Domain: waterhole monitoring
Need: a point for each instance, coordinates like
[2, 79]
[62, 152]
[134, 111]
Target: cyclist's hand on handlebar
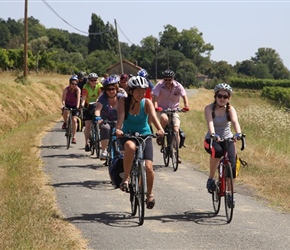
[185, 109]
[238, 136]
[158, 109]
[119, 133]
[160, 132]
[215, 137]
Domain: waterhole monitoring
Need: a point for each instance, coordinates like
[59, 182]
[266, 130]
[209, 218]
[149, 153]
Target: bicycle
[138, 185]
[68, 131]
[113, 147]
[224, 181]
[95, 138]
[169, 145]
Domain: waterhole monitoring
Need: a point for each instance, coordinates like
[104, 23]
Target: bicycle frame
[95, 138]
[68, 131]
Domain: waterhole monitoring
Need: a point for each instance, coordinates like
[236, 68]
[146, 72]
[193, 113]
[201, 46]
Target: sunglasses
[93, 80]
[168, 80]
[122, 81]
[74, 84]
[111, 89]
[223, 96]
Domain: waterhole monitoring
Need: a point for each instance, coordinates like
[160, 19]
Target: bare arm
[209, 120]
[78, 97]
[121, 116]
[98, 110]
[154, 100]
[64, 96]
[150, 110]
[185, 100]
[234, 120]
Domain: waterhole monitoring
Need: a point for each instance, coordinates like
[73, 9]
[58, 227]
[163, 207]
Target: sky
[236, 29]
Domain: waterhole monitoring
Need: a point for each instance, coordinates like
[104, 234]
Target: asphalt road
[182, 218]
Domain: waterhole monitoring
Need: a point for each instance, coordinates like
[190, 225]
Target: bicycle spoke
[165, 151]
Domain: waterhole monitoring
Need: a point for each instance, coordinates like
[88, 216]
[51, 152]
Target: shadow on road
[91, 184]
[115, 219]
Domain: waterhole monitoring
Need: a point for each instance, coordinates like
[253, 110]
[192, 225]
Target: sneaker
[210, 185]
[63, 126]
[74, 141]
[230, 201]
[103, 155]
[87, 148]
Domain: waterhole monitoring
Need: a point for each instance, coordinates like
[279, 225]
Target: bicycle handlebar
[243, 139]
[172, 110]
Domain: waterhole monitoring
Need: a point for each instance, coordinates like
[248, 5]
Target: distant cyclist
[106, 108]
[149, 91]
[71, 99]
[124, 82]
[90, 94]
[82, 79]
[166, 95]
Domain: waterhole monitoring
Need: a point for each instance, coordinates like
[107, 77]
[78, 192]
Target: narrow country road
[181, 219]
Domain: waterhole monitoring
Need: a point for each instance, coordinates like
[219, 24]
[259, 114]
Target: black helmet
[168, 73]
[116, 169]
[81, 74]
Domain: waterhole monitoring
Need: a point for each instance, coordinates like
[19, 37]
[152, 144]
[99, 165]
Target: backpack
[116, 169]
[182, 138]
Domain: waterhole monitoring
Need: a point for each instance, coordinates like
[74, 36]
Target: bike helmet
[74, 78]
[168, 73]
[112, 79]
[115, 169]
[138, 82]
[93, 75]
[124, 77]
[143, 73]
[223, 86]
[81, 74]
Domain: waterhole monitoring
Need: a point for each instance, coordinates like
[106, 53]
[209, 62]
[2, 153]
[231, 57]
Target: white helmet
[223, 86]
[138, 82]
[93, 75]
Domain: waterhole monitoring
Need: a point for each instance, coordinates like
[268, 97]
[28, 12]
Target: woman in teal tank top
[133, 114]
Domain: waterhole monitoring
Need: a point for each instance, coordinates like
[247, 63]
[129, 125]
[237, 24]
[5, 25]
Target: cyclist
[90, 94]
[106, 109]
[124, 81]
[220, 115]
[143, 73]
[71, 96]
[133, 114]
[82, 79]
[166, 95]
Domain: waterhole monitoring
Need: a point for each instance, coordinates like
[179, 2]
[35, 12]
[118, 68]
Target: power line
[124, 34]
[85, 32]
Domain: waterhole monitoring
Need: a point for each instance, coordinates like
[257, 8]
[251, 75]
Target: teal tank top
[137, 123]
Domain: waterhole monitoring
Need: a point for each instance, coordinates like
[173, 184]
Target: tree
[186, 73]
[169, 37]
[272, 59]
[37, 46]
[5, 33]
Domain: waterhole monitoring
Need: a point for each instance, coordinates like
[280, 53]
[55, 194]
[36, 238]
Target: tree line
[185, 52]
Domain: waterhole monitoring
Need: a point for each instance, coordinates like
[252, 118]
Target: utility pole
[119, 47]
[156, 61]
[25, 39]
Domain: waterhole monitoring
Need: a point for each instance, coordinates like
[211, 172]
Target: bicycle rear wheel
[68, 132]
[165, 150]
[216, 198]
[140, 189]
[174, 151]
[229, 196]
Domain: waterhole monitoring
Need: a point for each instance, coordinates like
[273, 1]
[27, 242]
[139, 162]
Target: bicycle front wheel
[165, 150]
[97, 140]
[216, 198]
[174, 151]
[229, 196]
[68, 132]
[140, 188]
[133, 196]
[92, 140]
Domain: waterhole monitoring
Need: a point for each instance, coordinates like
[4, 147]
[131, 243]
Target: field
[29, 218]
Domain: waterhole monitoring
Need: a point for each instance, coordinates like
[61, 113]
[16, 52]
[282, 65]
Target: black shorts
[148, 150]
[75, 112]
[89, 112]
